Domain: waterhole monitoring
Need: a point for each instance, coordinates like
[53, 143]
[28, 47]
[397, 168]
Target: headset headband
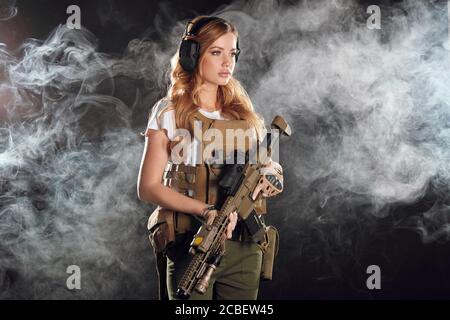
[198, 25]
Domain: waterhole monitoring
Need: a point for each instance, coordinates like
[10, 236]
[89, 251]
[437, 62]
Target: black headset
[190, 49]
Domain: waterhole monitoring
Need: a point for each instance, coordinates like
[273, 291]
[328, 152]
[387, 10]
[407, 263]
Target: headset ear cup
[189, 54]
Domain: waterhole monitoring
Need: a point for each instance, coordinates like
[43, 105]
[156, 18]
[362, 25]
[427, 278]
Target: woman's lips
[224, 75]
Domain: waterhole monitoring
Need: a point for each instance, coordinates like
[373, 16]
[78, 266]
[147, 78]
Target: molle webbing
[199, 182]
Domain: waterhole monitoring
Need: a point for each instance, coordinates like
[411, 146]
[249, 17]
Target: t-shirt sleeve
[162, 117]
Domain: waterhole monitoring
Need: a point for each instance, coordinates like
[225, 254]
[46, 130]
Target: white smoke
[8, 9]
[369, 107]
[68, 168]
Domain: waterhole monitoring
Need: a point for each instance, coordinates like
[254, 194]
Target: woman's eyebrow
[221, 48]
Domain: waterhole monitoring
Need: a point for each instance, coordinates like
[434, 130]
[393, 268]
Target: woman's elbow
[146, 192]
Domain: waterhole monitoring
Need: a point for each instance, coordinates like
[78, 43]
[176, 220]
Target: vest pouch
[160, 227]
[270, 251]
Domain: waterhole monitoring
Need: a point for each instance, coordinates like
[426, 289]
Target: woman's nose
[227, 60]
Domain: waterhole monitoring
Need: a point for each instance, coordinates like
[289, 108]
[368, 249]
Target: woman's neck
[208, 98]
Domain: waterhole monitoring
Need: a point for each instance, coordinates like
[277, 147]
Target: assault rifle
[239, 187]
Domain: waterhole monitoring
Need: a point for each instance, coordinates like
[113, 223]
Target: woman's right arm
[149, 186]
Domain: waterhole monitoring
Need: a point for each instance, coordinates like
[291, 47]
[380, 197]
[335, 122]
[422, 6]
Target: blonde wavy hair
[183, 92]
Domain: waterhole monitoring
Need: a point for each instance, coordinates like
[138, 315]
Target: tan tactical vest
[201, 182]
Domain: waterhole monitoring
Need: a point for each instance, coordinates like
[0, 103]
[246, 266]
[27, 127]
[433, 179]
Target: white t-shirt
[163, 118]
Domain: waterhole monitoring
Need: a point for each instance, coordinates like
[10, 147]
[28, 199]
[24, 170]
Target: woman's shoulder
[163, 117]
[161, 107]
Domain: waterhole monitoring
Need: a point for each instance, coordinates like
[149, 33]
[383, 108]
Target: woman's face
[218, 61]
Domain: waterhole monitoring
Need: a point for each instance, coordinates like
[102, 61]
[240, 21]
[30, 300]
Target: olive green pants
[236, 278]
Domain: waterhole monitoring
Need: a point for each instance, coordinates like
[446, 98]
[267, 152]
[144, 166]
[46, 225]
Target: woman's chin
[223, 82]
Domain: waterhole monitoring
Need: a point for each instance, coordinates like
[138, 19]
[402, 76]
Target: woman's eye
[215, 53]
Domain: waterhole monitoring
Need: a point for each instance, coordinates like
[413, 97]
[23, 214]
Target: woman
[203, 94]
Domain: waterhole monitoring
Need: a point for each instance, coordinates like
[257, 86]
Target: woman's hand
[271, 182]
[212, 214]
